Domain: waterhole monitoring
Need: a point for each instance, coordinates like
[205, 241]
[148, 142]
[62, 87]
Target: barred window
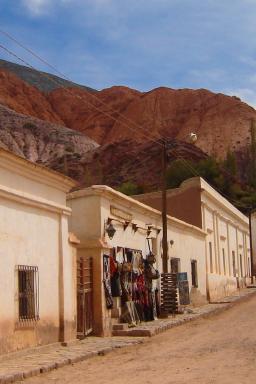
[28, 292]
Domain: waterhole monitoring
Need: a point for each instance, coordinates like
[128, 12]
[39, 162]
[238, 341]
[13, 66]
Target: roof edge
[35, 171]
[102, 190]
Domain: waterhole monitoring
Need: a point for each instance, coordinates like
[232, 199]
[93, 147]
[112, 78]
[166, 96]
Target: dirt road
[218, 349]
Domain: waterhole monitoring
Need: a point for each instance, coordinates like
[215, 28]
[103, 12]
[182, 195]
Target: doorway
[84, 297]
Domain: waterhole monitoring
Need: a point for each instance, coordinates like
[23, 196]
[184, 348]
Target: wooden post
[164, 210]
[251, 253]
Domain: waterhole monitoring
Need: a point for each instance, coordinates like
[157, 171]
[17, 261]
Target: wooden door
[84, 297]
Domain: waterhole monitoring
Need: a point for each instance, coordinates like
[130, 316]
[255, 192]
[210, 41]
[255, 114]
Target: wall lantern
[110, 229]
[134, 227]
[171, 242]
[149, 230]
[125, 225]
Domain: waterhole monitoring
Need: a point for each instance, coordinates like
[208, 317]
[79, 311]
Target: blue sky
[142, 44]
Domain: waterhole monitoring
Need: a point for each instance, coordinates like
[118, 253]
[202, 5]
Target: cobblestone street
[25, 364]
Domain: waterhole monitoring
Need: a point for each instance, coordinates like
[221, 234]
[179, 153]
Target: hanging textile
[130, 314]
[150, 309]
[106, 281]
[119, 255]
[131, 278]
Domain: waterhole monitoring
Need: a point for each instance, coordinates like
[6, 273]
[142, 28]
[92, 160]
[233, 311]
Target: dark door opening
[194, 273]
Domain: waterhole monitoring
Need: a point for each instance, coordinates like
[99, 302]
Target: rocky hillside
[140, 163]
[43, 81]
[221, 122]
[49, 144]
[106, 136]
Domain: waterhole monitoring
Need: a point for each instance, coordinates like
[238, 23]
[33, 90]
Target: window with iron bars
[28, 292]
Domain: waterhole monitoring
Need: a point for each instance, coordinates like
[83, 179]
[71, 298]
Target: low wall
[15, 337]
[219, 286]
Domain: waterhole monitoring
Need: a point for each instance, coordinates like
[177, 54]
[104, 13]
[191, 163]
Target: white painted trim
[128, 202]
[27, 199]
[35, 172]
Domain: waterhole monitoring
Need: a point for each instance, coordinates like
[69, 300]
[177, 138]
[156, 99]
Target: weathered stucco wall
[85, 220]
[183, 204]
[227, 245]
[188, 246]
[227, 230]
[253, 224]
[28, 237]
[34, 232]
[188, 241]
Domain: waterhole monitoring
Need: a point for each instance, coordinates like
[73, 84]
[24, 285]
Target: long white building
[227, 245]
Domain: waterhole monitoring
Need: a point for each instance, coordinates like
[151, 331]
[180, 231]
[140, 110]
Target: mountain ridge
[122, 120]
[34, 77]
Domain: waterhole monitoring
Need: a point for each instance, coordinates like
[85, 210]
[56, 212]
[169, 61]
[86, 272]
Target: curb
[147, 332]
[50, 366]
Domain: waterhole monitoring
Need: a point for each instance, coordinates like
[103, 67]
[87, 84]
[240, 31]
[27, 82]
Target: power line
[197, 174]
[51, 79]
[91, 95]
[158, 141]
[80, 98]
[84, 90]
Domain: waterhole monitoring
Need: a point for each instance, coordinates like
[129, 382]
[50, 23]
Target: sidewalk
[27, 363]
[154, 327]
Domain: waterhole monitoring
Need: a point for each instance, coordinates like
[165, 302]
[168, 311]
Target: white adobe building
[37, 260]
[227, 245]
[93, 208]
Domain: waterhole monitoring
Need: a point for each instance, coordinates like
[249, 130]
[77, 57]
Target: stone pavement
[20, 365]
[154, 327]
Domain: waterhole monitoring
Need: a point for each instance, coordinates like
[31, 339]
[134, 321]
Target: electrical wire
[158, 141]
[63, 75]
[84, 89]
[51, 79]
[142, 134]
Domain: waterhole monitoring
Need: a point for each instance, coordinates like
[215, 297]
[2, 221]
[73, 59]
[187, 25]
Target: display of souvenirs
[119, 254]
[131, 279]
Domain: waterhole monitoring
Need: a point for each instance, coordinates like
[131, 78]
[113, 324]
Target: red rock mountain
[119, 113]
[109, 136]
[23, 98]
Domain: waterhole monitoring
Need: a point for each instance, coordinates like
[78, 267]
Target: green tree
[208, 169]
[129, 188]
[252, 165]
[229, 164]
[228, 175]
[177, 172]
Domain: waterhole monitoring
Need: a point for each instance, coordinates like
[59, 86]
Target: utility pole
[164, 208]
[169, 302]
[251, 245]
[253, 153]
